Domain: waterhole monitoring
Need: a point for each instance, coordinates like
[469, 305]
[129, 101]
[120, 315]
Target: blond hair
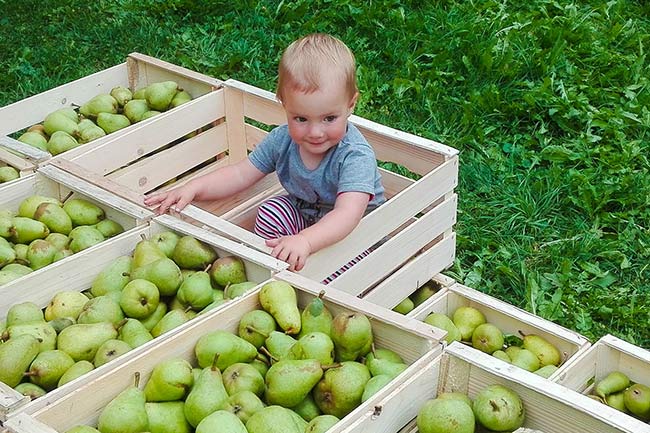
[312, 59]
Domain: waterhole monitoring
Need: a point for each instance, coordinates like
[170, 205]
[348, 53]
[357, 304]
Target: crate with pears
[95, 107]
[502, 330]
[59, 333]
[415, 224]
[475, 392]
[50, 215]
[290, 354]
[615, 373]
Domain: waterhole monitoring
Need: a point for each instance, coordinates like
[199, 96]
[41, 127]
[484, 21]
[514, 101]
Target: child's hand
[179, 196]
[291, 249]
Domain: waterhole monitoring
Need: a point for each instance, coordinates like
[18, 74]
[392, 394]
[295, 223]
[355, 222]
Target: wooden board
[415, 343]
[78, 274]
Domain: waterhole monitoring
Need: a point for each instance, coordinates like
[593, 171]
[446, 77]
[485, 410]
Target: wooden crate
[78, 275]
[418, 216]
[508, 318]
[137, 71]
[550, 408]
[416, 343]
[26, 161]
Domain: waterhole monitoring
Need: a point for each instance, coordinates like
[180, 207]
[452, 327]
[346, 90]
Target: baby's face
[317, 120]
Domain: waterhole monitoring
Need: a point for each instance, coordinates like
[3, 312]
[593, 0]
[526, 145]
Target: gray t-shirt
[350, 166]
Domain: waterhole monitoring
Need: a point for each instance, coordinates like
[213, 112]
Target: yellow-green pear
[90, 133]
[445, 415]
[222, 421]
[341, 388]
[24, 312]
[134, 333]
[352, 335]
[255, 326]
[114, 277]
[289, 381]
[139, 298]
[181, 97]
[121, 94]
[244, 404]
[190, 253]
[547, 353]
[167, 417]
[442, 321]
[109, 350]
[126, 413]
[206, 396]
[466, 320]
[229, 347]
[81, 341]
[110, 122]
[82, 237]
[405, 306]
[228, 270]
[170, 380]
[34, 139]
[8, 173]
[614, 382]
[321, 424]
[101, 309]
[59, 240]
[498, 408]
[102, 103]
[42, 331]
[16, 355]
[66, 303]
[148, 114]
[27, 207]
[61, 141]
[83, 212]
[24, 230]
[279, 299]
[164, 273]
[146, 251]
[48, 367]
[159, 95]
[30, 390]
[170, 320]
[78, 369]
[60, 121]
[40, 253]
[242, 377]
[134, 109]
[275, 419]
[109, 228]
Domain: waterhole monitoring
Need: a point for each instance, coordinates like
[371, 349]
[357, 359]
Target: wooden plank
[186, 78]
[23, 423]
[21, 164]
[234, 105]
[29, 152]
[253, 136]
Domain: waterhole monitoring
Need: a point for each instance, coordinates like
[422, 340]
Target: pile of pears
[45, 229]
[286, 370]
[496, 408]
[616, 390]
[418, 297]
[69, 127]
[167, 280]
[533, 352]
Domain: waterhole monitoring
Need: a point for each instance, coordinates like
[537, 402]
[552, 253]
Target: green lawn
[547, 101]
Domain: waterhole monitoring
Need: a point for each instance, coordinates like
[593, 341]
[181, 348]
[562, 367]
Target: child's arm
[216, 185]
[333, 227]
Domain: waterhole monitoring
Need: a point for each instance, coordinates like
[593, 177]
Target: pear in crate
[442, 321]
[487, 338]
[83, 237]
[289, 381]
[275, 419]
[545, 351]
[279, 299]
[228, 270]
[244, 404]
[24, 312]
[167, 417]
[109, 350]
[82, 340]
[139, 298]
[385, 362]
[221, 421]
[614, 382]
[60, 323]
[190, 253]
[279, 344]
[423, 293]
[102, 103]
[236, 290]
[61, 141]
[121, 94]
[126, 413]
[113, 278]
[146, 251]
[374, 385]
[134, 109]
[404, 307]
[134, 333]
[27, 207]
[243, 377]
[466, 320]
[321, 424]
[307, 408]
[89, 131]
[166, 241]
[180, 98]
[525, 359]
[83, 212]
[40, 253]
[139, 93]
[16, 355]
[150, 322]
[148, 114]
[24, 230]
[17, 269]
[101, 309]
[110, 122]
[546, 371]
[34, 139]
[314, 345]
[30, 390]
[109, 228]
[170, 380]
[48, 367]
[59, 240]
[7, 253]
[206, 396]
[502, 355]
[164, 273]
[42, 331]
[8, 173]
[60, 121]
[78, 369]
[6, 223]
[159, 95]
[498, 408]
[445, 416]
[352, 335]
[637, 400]
[341, 388]
[229, 347]
[82, 429]
[255, 326]
[196, 290]
[169, 321]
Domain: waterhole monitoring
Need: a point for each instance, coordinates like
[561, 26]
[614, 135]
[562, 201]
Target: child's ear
[353, 101]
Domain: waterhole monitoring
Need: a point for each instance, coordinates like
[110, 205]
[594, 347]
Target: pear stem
[266, 352]
[136, 379]
[120, 324]
[207, 268]
[254, 329]
[262, 358]
[521, 333]
[328, 366]
[372, 349]
[214, 362]
[321, 294]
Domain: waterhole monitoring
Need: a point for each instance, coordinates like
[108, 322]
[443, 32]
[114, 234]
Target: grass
[547, 102]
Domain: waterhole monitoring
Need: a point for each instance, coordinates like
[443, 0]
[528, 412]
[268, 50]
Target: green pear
[121, 94]
[615, 381]
[378, 365]
[134, 333]
[341, 388]
[383, 353]
[109, 228]
[244, 404]
[82, 429]
[148, 114]
[423, 293]
[156, 316]
[289, 381]
[7, 277]
[307, 408]
[502, 355]
[101, 309]
[114, 277]
[24, 312]
[159, 95]
[261, 363]
[279, 344]
[316, 317]
[78, 369]
[134, 109]
[42, 331]
[54, 217]
[525, 359]
[61, 141]
[279, 299]
[110, 122]
[67, 303]
[404, 307]
[6, 224]
[374, 385]
[444, 415]
[90, 133]
[16, 355]
[60, 323]
[25, 230]
[166, 241]
[321, 424]
[139, 298]
[487, 338]
[615, 400]
[190, 253]
[81, 341]
[636, 399]
[169, 321]
[83, 212]
[243, 377]
[34, 139]
[512, 350]
[59, 240]
[221, 421]
[275, 419]
[83, 237]
[109, 350]
[17, 269]
[60, 121]
[8, 173]
[546, 371]
[497, 407]
[146, 251]
[139, 93]
[181, 97]
[352, 335]
[228, 270]
[126, 413]
[40, 253]
[255, 326]
[48, 367]
[543, 349]
[466, 320]
[7, 253]
[442, 321]
[455, 395]
[196, 290]
[315, 345]
[167, 417]
[102, 103]
[170, 380]
[229, 347]
[30, 390]
[207, 395]
[27, 207]
[233, 291]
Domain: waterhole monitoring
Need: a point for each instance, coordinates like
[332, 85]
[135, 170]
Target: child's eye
[300, 119]
[330, 118]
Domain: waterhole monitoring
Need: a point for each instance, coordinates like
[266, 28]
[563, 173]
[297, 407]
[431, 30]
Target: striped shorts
[279, 217]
